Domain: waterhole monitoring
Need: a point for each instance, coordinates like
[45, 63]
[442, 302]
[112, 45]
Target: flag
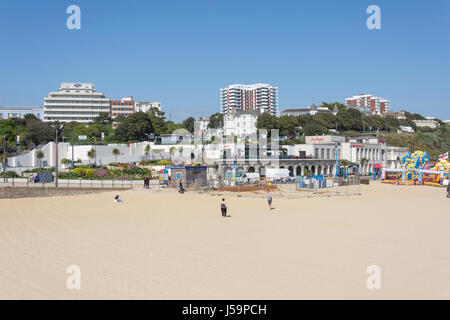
[443, 156]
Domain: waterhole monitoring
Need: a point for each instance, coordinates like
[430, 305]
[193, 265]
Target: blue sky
[183, 52]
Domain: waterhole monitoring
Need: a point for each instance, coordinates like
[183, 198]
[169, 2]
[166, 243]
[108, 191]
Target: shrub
[145, 162]
[11, 174]
[101, 173]
[165, 162]
[79, 171]
[89, 172]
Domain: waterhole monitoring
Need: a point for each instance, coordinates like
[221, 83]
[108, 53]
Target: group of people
[224, 207]
[35, 178]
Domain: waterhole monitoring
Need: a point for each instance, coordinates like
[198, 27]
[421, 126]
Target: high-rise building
[368, 103]
[75, 102]
[123, 107]
[258, 97]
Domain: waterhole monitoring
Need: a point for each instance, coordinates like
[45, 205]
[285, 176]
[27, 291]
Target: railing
[295, 188]
[72, 183]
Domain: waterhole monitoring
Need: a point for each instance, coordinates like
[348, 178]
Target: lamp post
[373, 167]
[56, 157]
[336, 156]
[58, 127]
[72, 150]
[4, 158]
[95, 152]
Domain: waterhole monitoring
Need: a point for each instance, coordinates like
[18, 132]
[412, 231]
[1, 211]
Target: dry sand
[173, 246]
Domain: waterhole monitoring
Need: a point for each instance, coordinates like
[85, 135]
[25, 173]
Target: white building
[405, 129]
[145, 106]
[256, 97]
[311, 110]
[8, 112]
[364, 152]
[426, 123]
[75, 102]
[240, 123]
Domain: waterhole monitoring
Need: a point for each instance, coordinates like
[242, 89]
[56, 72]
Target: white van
[279, 174]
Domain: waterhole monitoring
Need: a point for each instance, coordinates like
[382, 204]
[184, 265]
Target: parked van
[279, 174]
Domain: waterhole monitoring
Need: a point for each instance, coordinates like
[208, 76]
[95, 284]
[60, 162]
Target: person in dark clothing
[448, 190]
[181, 188]
[223, 208]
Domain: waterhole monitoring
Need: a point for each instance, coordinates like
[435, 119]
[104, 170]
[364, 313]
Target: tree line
[346, 120]
[138, 126]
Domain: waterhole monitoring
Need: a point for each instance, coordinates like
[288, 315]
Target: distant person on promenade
[223, 208]
[269, 199]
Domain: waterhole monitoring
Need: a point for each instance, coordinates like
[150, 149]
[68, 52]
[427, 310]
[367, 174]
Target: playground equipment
[413, 162]
[416, 168]
[442, 166]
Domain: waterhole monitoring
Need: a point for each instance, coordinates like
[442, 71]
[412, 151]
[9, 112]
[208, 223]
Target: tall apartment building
[258, 97]
[123, 107]
[75, 102]
[368, 103]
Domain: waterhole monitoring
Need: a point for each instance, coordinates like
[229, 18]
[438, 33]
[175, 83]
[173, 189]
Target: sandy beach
[165, 245]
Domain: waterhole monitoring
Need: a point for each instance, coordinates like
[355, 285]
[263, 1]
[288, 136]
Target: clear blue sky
[183, 52]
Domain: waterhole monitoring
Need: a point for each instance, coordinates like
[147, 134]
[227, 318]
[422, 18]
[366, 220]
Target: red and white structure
[375, 105]
[258, 97]
[123, 107]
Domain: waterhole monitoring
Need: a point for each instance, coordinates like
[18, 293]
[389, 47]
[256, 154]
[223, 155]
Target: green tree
[307, 172]
[40, 155]
[189, 124]
[91, 155]
[103, 119]
[136, 127]
[29, 116]
[287, 125]
[38, 132]
[157, 119]
[115, 152]
[314, 129]
[267, 121]
[215, 121]
[66, 161]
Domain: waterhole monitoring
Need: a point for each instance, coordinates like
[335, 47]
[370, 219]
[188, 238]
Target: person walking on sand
[269, 199]
[223, 208]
